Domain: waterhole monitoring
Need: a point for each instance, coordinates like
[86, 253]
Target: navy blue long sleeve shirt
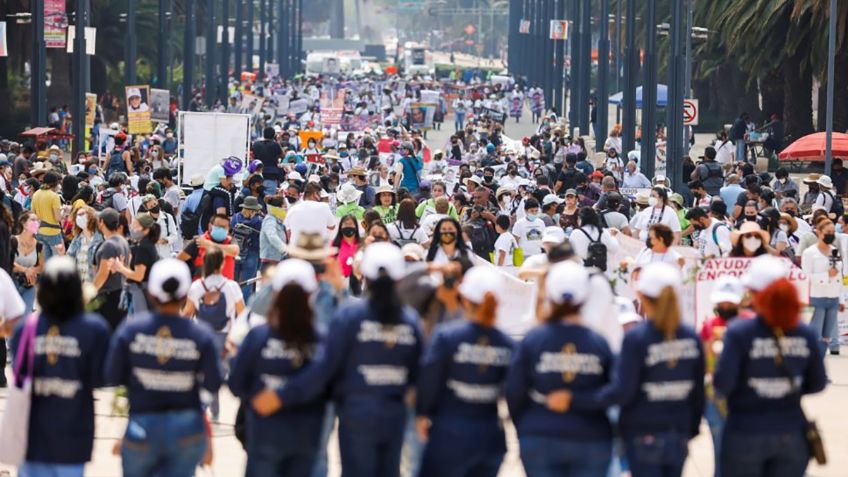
[367, 364]
[554, 357]
[463, 372]
[658, 383]
[757, 391]
[164, 361]
[68, 365]
[263, 361]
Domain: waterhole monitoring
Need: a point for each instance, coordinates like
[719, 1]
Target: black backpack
[482, 239]
[596, 253]
[107, 199]
[838, 207]
[401, 240]
[190, 219]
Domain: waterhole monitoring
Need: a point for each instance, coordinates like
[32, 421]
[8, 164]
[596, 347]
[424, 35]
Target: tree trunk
[797, 95]
[771, 89]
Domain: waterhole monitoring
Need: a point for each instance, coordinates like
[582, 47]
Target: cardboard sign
[298, 106]
[138, 109]
[90, 109]
[160, 105]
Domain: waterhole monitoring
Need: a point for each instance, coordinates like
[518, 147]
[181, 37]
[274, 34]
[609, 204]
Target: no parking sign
[690, 112]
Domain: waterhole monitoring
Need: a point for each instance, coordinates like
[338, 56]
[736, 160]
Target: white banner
[90, 39]
[208, 138]
[517, 303]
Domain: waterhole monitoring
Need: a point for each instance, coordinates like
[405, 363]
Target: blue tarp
[662, 97]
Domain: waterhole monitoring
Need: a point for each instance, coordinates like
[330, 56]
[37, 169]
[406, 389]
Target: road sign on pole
[690, 112]
[559, 30]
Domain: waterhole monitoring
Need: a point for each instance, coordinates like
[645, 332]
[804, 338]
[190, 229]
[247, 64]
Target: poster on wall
[3, 49]
[55, 23]
[138, 109]
[160, 105]
[90, 109]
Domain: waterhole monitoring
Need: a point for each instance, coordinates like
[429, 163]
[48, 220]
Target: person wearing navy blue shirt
[69, 357]
[164, 360]
[370, 361]
[558, 356]
[286, 442]
[658, 380]
[764, 432]
[462, 377]
[246, 226]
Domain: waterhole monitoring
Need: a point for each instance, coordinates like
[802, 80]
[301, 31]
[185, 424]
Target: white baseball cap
[626, 311]
[551, 199]
[567, 281]
[727, 289]
[133, 92]
[383, 256]
[655, 277]
[763, 271]
[163, 272]
[478, 281]
[553, 235]
[295, 271]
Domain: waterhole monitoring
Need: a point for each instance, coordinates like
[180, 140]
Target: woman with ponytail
[286, 442]
[763, 383]
[164, 360]
[369, 361]
[659, 379]
[558, 358]
[462, 377]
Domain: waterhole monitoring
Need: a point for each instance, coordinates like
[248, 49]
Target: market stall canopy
[46, 133]
[812, 146]
[662, 97]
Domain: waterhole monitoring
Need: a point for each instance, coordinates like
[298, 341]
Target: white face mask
[752, 244]
[82, 221]
[653, 201]
[784, 228]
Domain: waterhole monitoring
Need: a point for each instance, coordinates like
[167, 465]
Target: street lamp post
[224, 74]
[162, 40]
[674, 108]
[38, 67]
[299, 38]
[628, 130]
[559, 70]
[132, 44]
[263, 32]
[649, 93]
[248, 61]
[269, 11]
[831, 59]
[575, 76]
[687, 83]
[188, 54]
[80, 75]
[238, 44]
[603, 78]
[211, 78]
[586, 65]
[282, 38]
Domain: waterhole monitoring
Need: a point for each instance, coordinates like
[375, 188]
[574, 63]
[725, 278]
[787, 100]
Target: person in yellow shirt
[47, 205]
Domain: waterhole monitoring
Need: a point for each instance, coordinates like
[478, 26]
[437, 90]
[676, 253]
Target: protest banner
[305, 136]
[494, 115]
[208, 138]
[632, 191]
[516, 106]
[55, 24]
[160, 102]
[138, 111]
[537, 101]
[282, 105]
[429, 96]
[421, 115]
[516, 304]
[298, 106]
[90, 109]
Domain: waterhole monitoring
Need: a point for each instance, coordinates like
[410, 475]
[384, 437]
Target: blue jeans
[824, 322]
[168, 444]
[50, 243]
[716, 422]
[246, 268]
[320, 468]
[413, 447]
[290, 453]
[741, 151]
[661, 454]
[371, 447]
[459, 121]
[28, 296]
[38, 469]
[270, 186]
[764, 455]
[553, 457]
[462, 449]
[220, 342]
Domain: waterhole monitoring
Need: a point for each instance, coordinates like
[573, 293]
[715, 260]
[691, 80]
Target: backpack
[715, 233]
[481, 239]
[212, 308]
[596, 253]
[107, 199]
[116, 163]
[401, 240]
[838, 207]
[190, 219]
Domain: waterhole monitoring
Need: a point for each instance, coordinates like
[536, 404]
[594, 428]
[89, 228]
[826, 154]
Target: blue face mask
[343, 154]
[218, 234]
[531, 217]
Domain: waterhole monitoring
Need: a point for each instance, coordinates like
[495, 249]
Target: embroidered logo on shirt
[383, 375]
[482, 354]
[569, 363]
[390, 335]
[474, 393]
[164, 347]
[794, 346]
[671, 352]
[55, 345]
[668, 390]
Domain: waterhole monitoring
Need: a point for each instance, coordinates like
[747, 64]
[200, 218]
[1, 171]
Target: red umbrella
[811, 147]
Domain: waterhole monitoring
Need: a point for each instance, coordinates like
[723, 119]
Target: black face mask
[488, 178]
[649, 243]
[750, 218]
[829, 238]
[727, 313]
[291, 200]
[449, 281]
[153, 210]
[348, 231]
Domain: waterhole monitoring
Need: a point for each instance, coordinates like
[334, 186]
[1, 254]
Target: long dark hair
[384, 300]
[337, 241]
[588, 216]
[461, 247]
[406, 214]
[291, 318]
[86, 193]
[60, 289]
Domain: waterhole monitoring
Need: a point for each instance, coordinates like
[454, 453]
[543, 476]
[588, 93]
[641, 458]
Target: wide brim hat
[747, 228]
[348, 193]
[40, 168]
[825, 181]
[384, 189]
[812, 178]
[251, 203]
[311, 247]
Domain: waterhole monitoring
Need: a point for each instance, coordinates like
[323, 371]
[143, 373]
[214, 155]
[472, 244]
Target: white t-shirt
[724, 151]
[647, 256]
[418, 234]
[580, 242]
[650, 216]
[507, 243]
[11, 304]
[529, 235]
[428, 223]
[708, 246]
[229, 289]
[309, 216]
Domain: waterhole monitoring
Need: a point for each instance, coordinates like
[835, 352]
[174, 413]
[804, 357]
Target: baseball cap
[133, 92]
[169, 280]
[727, 289]
[656, 277]
[571, 192]
[626, 311]
[553, 235]
[295, 271]
[383, 256]
[478, 281]
[567, 281]
[763, 271]
[551, 199]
